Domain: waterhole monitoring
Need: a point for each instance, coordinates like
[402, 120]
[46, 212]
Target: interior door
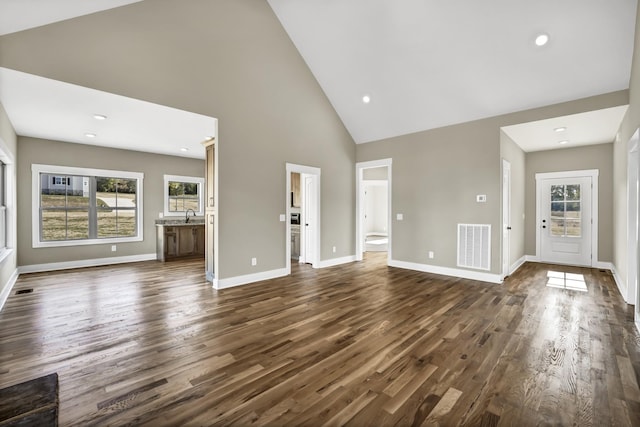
[308, 219]
[565, 221]
[506, 218]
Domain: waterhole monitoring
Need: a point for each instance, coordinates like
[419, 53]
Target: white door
[565, 220]
[308, 218]
[506, 218]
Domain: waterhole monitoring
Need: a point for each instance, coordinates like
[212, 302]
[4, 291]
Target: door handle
[544, 226]
[508, 228]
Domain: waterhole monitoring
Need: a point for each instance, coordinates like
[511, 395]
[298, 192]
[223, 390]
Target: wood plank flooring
[361, 344]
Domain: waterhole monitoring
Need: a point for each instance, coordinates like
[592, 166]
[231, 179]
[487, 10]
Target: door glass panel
[565, 215]
[557, 226]
[557, 192]
[573, 192]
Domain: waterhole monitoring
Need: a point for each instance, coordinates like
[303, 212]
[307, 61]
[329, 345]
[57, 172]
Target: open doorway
[302, 215]
[373, 225]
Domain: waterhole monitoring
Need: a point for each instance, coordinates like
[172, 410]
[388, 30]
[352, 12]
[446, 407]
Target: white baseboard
[516, 265]
[446, 271]
[336, 261]
[248, 278]
[66, 265]
[8, 287]
[619, 283]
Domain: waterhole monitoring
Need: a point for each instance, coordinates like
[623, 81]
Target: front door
[565, 220]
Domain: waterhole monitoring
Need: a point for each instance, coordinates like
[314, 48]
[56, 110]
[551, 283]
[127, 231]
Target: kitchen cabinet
[295, 189]
[176, 240]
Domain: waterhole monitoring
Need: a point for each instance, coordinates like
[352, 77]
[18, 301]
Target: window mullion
[93, 214]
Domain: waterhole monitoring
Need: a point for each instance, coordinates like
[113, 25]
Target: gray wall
[226, 59]
[629, 125]
[579, 158]
[9, 141]
[154, 166]
[511, 152]
[437, 174]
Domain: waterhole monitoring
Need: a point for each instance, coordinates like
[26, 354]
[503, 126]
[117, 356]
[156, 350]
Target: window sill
[5, 253]
[67, 243]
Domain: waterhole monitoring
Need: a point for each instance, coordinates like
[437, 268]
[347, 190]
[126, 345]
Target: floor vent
[474, 246]
[24, 291]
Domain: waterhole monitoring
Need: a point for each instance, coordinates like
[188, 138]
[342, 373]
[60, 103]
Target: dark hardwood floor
[361, 344]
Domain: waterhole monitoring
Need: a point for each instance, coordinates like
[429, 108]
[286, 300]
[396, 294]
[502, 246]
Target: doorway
[567, 217]
[633, 172]
[302, 217]
[373, 207]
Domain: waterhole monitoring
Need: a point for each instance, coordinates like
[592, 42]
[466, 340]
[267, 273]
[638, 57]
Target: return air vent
[474, 246]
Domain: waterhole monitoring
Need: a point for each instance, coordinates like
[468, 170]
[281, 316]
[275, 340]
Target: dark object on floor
[31, 403]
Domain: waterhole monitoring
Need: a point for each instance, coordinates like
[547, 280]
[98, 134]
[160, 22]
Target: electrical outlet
[160, 215]
[334, 249]
[431, 255]
[399, 217]
[283, 218]
[113, 248]
[254, 261]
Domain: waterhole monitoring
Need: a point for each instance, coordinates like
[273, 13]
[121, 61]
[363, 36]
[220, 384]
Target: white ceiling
[432, 63]
[424, 63]
[45, 108]
[593, 127]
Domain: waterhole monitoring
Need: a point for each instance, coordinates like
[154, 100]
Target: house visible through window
[86, 206]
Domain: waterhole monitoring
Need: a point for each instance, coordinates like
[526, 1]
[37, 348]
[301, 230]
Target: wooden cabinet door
[171, 242]
[186, 241]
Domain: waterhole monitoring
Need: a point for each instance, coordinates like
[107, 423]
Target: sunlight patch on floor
[570, 281]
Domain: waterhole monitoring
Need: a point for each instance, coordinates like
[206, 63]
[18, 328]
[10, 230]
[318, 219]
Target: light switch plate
[283, 218]
[399, 217]
[481, 198]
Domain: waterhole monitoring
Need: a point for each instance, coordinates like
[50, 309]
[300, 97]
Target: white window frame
[188, 179]
[37, 169]
[8, 203]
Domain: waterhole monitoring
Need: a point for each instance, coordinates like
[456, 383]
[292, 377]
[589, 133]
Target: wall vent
[474, 246]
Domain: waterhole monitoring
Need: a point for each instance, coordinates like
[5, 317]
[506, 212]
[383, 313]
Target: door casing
[590, 173]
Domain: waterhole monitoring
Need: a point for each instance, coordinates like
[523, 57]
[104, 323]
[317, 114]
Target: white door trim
[360, 167]
[633, 171]
[316, 173]
[506, 218]
[589, 173]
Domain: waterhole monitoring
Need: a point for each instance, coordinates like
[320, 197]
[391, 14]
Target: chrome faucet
[186, 215]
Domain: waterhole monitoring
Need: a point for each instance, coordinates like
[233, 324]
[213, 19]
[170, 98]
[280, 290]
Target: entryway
[567, 220]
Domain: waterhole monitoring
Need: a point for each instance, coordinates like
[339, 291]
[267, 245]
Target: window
[182, 193]
[3, 207]
[77, 206]
[565, 210]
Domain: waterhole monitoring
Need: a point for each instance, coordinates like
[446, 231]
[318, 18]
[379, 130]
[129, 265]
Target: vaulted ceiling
[427, 63]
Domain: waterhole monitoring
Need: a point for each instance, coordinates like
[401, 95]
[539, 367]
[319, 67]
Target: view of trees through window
[183, 196]
[86, 207]
[566, 210]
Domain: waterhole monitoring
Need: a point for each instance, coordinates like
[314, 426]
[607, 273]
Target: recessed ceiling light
[560, 129]
[542, 39]
[90, 135]
[564, 141]
[100, 117]
[366, 99]
[184, 149]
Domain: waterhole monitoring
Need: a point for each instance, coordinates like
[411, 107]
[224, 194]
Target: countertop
[179, 222]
